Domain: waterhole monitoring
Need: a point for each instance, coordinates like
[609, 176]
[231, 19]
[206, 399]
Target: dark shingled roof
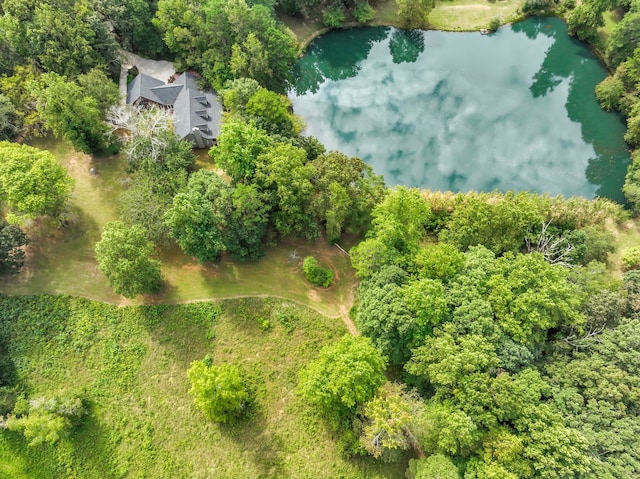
[192, 107]
[141, 87]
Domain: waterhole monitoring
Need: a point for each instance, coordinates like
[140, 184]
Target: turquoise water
[462, 111]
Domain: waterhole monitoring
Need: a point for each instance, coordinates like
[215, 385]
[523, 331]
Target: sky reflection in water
[460, 111]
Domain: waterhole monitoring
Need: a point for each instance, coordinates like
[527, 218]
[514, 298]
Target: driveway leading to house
[160, 69]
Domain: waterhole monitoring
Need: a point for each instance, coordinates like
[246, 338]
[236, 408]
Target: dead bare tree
[554, 249]
[146, 130]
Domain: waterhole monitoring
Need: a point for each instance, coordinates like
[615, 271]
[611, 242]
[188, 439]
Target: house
[196, 113]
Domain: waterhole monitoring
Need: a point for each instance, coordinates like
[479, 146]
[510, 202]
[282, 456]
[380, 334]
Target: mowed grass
[62, 260]
[450, 15]
[472, 14]
[130, 365]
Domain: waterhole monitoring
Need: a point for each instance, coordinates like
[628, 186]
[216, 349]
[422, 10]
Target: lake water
[462, 111]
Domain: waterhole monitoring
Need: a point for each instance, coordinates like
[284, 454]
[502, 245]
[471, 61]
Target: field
[130, 366]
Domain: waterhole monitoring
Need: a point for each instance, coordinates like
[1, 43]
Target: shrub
[609, 92]
[218, 391]
[494, 24]
[333, 17]
[631, 258]
[315, 274]
[363, 12]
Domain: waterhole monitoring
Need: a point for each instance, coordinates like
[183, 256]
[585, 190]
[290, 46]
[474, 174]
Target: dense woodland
[495, 340]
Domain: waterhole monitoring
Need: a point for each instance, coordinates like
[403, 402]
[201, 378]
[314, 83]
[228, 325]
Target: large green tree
[219, 391]
[125, 257]
[345, 375]
[32, 182]
[198, 217]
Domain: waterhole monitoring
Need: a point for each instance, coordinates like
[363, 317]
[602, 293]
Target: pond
[514, 110]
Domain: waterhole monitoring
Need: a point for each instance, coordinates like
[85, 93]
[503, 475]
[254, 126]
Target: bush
[218, 391]
[609, 92]
[494, 24]
[315, 274]
[631, 258]
[333, 17]
[363, 12]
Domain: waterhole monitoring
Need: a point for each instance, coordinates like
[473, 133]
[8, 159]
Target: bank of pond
[514, 110]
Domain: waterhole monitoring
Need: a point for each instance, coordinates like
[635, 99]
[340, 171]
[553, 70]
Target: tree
[389, 421]
[624, 38]
[146, 201]
[584, 21]
[198, 217]
[12, 241]
[45, 420]
[220, 392]
[346, 191]
[32, 183]
[124, 257]
[282, 173]
[9, 120]
[239, 145]
[151, 145]
[440, 261]
[236, 94]
[345, 375]
[247, 223]
[69, 113]
[609, 92]
[272, 112]
[97, 85]
[414, 13]
[500, 226]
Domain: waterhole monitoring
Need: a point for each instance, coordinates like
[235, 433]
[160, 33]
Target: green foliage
[346, 191]
[68, 38]
[363, 12]
[598, 244]
[97, 85]
[246, 223]
[333, 16]
[436, 466]
[631, 258]
[198, 217]
[345, 375]
[584, 21]
[9, 120]
[12, 242]
[219, 391]
[239, 145]
[388, 422]
[146, 200]
[228, 39]
[632, 136]
[70, 113]
[315, 274]
[285, 177]
[124, 257]
[45, 420]
[631, 187]
[272, 112]
[609, 92]
[439, 261]
[32, 183]
[500, 226]
[414, 13]
[624, 39]
[494, 24]
[236, 94]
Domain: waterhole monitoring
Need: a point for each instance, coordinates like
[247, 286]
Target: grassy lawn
[63, 260]
[472, 14]
[463, 15]
[611, 19]
[130, 365]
